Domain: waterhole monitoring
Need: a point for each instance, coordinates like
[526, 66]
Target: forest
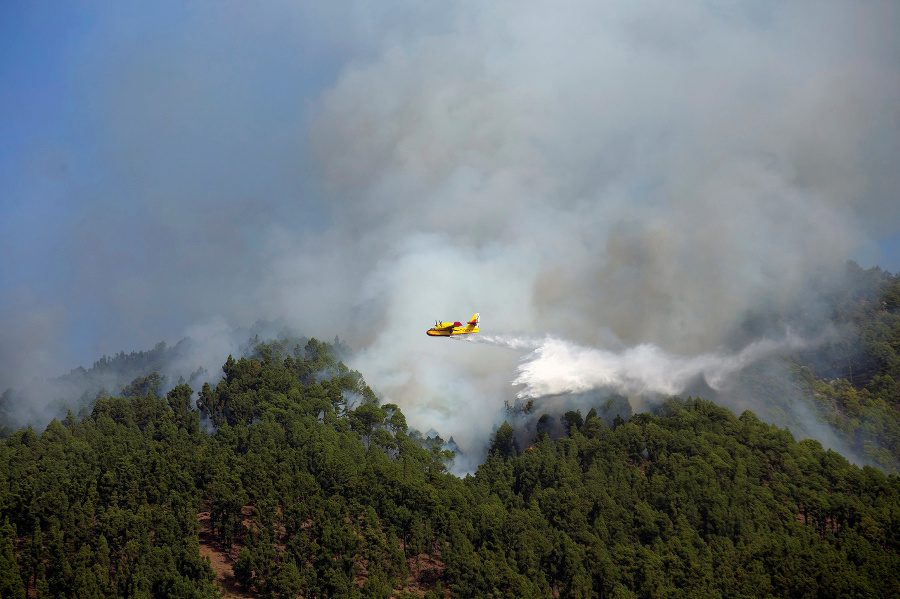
[293, 469]
[850, 381]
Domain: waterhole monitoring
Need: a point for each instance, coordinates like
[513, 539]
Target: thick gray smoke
[620, 175]
[627, 176]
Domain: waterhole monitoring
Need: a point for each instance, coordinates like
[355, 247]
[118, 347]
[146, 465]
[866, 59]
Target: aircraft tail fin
[476, 318]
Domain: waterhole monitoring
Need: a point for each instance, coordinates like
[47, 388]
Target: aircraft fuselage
[446, 329]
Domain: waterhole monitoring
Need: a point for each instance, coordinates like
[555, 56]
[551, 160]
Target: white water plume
[558, 367]
[507, 341]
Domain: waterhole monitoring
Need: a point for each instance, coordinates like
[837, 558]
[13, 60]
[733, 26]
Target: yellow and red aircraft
[445, 329]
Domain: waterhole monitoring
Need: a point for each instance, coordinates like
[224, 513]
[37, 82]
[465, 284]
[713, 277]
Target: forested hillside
[160, 369]
[122, 373]
[315, 489]
[855, 381]
[848, 383]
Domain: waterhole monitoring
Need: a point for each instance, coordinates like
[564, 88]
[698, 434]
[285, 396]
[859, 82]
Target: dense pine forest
[852, 380]
[294, 480]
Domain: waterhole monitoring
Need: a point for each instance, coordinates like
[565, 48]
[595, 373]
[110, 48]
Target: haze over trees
[848, 385]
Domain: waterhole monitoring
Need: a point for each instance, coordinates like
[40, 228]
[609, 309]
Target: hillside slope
[319, 498]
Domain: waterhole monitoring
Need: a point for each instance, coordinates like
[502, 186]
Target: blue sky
[77, 216]
[618, 174]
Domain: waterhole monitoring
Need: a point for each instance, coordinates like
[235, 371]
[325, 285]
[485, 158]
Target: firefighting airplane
[445, 329]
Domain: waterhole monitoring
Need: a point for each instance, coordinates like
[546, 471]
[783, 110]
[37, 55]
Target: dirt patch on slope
[222, 561]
